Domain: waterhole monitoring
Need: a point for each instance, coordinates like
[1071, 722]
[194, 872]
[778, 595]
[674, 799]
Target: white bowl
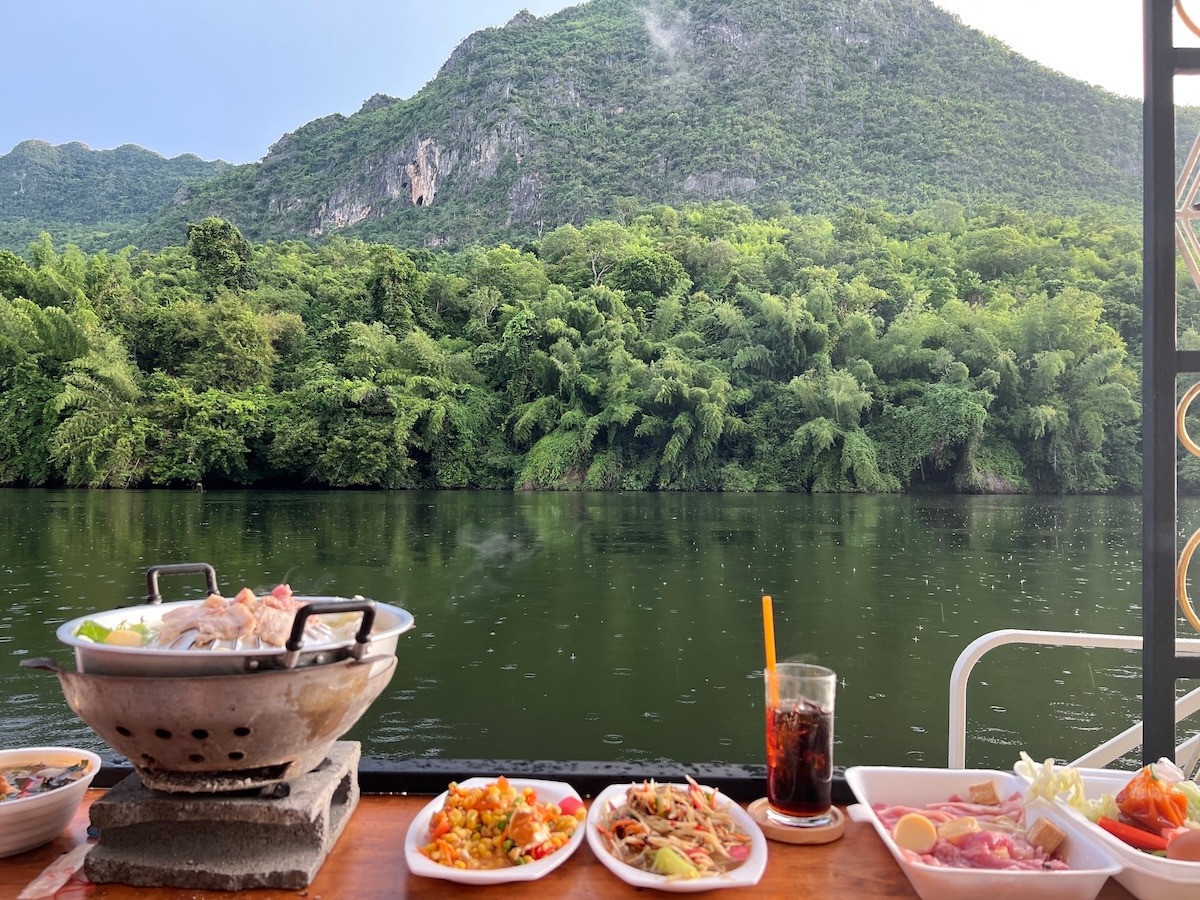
[32, 821]
[1090, 863]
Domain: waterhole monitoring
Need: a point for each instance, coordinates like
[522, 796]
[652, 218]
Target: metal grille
[1164, 363]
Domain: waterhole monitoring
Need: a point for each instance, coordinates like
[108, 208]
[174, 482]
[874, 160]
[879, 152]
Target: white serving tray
[1145, 876]
[1091, 864]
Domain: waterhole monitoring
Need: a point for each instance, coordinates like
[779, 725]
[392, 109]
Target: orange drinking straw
[769, 640]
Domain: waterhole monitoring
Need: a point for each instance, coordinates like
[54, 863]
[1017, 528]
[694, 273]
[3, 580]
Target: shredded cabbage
[1192, 792]
[1066, 784]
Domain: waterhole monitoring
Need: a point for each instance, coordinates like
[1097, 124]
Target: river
[626, 627]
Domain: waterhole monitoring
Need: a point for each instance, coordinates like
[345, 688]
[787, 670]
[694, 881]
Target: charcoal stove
[239, 779]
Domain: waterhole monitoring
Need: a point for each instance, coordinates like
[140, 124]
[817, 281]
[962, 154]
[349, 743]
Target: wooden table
[368, 863]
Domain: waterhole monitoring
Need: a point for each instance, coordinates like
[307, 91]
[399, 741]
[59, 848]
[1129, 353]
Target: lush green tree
[203, 435]
[579, 257]
[394, 288]
[234, 350]
[934, 431]
[102, 438]
[221, 255]
[38, 347]
[15, 276]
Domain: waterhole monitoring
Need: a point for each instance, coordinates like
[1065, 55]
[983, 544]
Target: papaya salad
[496, 825]
[673, 830]
[1157, 811]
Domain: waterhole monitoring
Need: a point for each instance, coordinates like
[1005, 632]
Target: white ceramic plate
[418, 833]
[747, 874]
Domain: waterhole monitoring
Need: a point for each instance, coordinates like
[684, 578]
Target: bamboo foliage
[695, 349]
[101, 437]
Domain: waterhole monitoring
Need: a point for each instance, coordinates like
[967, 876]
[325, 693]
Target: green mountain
[587, 113]
[90, 197]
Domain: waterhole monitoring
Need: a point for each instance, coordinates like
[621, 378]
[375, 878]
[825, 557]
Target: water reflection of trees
[655, 595]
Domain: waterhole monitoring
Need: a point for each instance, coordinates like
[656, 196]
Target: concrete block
[225, 841]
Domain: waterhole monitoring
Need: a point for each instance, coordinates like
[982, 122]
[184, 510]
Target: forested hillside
[816, 104]
[699, 348]
[808, 105]
[93, 198]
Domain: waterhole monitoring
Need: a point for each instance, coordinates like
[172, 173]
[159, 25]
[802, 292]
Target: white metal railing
[1186, 754]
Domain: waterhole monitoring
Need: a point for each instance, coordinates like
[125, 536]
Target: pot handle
[152, 573]
[296, 640]
[42, 662]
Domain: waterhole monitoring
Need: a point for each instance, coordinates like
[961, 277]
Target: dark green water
[627, 627]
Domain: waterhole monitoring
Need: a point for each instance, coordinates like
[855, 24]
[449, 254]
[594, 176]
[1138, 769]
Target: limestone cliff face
[419, 172]
[416, 174]
[409, 175]
[423, 172]
[525, 200]
[483, 143]
[481, 130]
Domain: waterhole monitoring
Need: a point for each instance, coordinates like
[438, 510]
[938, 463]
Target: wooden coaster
[795, 834]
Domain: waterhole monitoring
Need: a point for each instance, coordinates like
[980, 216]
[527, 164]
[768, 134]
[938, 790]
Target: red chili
[1136, 837]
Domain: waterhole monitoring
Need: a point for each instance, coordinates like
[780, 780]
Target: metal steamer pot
[377, 634]
[203, 720]
[214, 733]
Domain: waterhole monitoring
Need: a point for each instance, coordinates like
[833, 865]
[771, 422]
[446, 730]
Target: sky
[225, 79]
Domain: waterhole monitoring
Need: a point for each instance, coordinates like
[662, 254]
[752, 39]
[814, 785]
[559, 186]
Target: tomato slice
[570, 805]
